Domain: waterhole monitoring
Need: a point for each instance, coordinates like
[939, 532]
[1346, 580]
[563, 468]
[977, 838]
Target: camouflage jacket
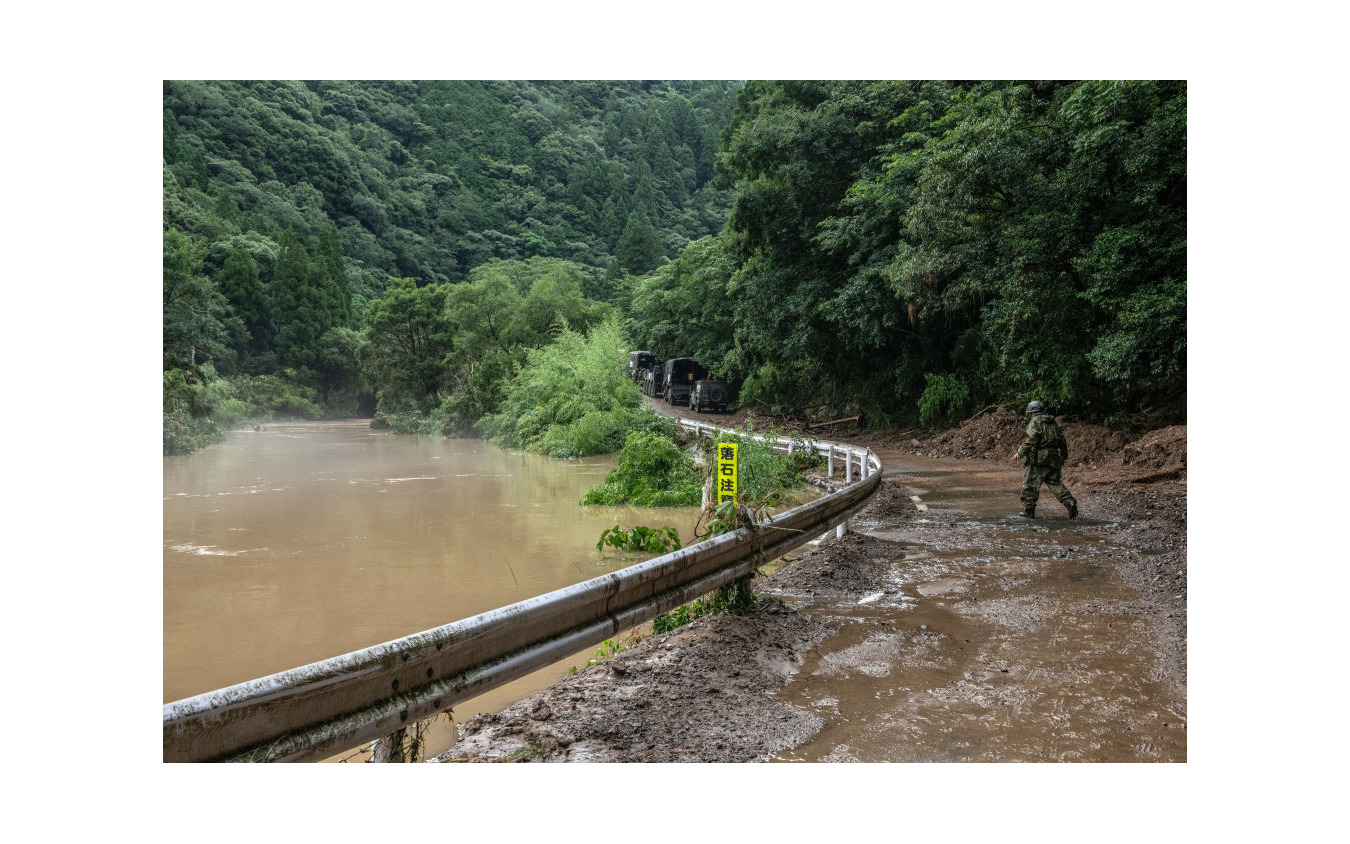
[1044, 444]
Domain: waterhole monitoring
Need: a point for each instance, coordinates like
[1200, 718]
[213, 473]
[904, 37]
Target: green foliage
[684, 308]
[571, 398]
[736, 598]
[804, 458]
[639, 249]
[199, 406]
[653, 471]
[943, 400]
[276, 396]
[193, 307]
[187, 422]
[607, 650]
[289, 208]
[910, 250]
[407, 337]
[640, 539]
[762, 473]
[430, 179]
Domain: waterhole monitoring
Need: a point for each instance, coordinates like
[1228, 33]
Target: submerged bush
[653, 472]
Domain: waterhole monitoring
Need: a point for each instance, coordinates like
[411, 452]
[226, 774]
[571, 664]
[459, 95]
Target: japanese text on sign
[726, 472]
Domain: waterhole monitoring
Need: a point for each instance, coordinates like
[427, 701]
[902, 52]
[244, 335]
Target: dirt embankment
[1097, 455]
[696, 694]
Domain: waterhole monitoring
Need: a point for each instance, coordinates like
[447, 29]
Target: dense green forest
[303, 221]
[911, 251]
[917, 250]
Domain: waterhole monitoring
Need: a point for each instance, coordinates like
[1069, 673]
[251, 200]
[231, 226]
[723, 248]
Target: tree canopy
[909, 250]
[924, 248]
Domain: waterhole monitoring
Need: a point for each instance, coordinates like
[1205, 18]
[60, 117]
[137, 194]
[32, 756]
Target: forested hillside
[910, 251]
[917, 250]
[290, 207]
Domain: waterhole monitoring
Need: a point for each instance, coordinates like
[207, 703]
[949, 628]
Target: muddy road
[943, 627]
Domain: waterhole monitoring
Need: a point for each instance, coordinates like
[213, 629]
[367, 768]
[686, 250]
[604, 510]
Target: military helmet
[1036, 407]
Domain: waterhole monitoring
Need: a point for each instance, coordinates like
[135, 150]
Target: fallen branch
[833, 422]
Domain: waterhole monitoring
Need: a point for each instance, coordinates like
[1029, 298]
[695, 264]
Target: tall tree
[193, 331]
[239, 283]
[639, 249]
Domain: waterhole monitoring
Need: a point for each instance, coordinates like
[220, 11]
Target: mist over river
[307, 540]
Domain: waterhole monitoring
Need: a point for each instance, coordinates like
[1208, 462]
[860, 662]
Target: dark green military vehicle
[680, 376]
[709, 395]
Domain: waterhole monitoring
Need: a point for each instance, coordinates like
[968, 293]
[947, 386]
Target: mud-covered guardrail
[314, 711]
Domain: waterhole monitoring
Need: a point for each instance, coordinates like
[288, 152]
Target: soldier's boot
[1073, 508]
[1029, 511]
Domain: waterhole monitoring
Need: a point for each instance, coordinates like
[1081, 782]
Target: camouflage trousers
[1048, 475]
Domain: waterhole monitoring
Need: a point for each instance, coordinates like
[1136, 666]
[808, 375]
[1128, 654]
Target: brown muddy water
[305, 541]
[995, 640]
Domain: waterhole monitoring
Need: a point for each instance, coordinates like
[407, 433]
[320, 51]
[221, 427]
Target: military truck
[651, 382]
[680, 375]
[639, 363]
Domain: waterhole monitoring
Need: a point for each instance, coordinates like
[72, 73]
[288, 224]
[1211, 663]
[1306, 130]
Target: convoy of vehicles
[680, 381]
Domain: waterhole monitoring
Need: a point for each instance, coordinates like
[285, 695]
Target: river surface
[307, 540]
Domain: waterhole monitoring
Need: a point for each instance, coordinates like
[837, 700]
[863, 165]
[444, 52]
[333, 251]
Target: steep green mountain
[289, 207]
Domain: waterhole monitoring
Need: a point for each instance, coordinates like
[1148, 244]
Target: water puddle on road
[1002, 641]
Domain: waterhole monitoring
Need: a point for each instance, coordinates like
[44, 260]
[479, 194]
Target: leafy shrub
[733, 599]
[607, 650]
[270, 396]
[640, 539]
[804, 457]
[945, 397]
[762, 471]
[187, 425]
[653, 472]
[572, 398]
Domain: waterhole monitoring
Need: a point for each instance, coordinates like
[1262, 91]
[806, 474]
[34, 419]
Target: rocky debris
[851, 566]
[892, 503]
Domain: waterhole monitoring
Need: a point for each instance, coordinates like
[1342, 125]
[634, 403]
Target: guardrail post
[848, 465]
[829, 469]
[840, 530]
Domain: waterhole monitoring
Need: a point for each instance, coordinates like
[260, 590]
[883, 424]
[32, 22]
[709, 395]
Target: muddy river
[304, 541]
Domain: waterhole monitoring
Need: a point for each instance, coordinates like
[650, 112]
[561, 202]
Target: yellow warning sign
[726, 472]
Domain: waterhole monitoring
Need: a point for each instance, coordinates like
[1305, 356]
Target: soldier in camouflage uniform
[1044, 451]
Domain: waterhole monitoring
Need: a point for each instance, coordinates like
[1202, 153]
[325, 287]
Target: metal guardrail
[314, 711]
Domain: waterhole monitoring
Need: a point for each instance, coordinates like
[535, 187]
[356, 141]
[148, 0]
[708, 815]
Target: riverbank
[943, 612]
